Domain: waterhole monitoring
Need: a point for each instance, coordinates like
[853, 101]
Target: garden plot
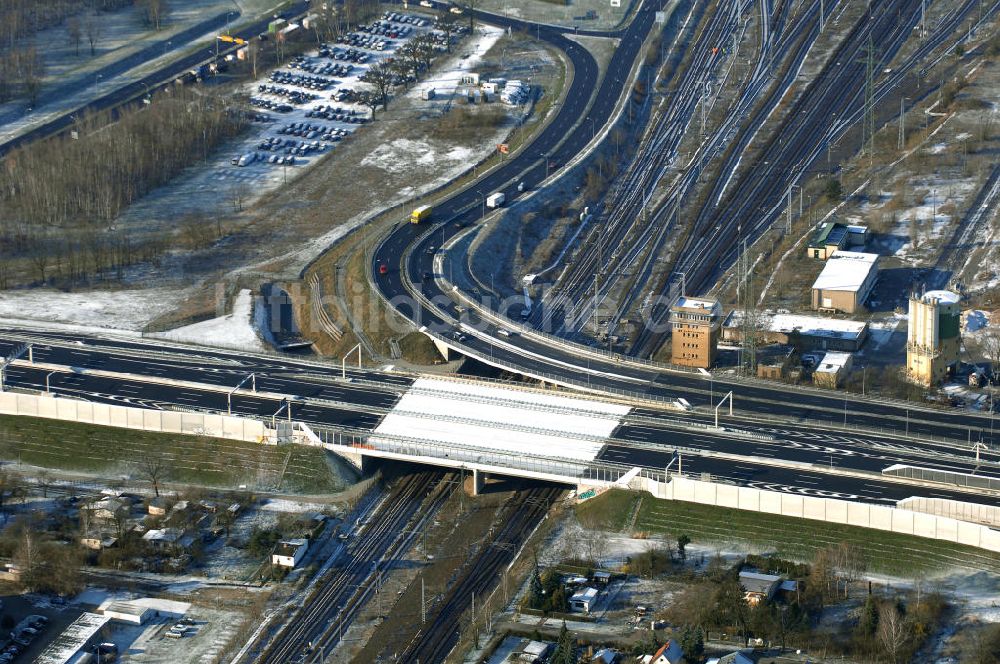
[303, 110]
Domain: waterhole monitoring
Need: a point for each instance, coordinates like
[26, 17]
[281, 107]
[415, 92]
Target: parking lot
[307, 106]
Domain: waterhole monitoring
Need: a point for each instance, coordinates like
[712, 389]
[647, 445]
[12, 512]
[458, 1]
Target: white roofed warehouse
[845, 282]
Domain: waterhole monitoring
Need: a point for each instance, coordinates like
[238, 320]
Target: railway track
[439, 637]
[319, 625]
[756, 200]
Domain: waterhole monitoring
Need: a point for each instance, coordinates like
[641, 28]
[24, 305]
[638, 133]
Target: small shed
[583, 600]
[533, 651]
[832, 369]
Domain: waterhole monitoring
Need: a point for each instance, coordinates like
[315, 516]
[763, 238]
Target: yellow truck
[422, 213]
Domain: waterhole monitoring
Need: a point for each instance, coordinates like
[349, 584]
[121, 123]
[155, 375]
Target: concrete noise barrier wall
[830, 510]
[128, 417]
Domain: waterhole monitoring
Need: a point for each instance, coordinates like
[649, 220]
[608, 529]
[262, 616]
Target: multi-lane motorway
[784, 457]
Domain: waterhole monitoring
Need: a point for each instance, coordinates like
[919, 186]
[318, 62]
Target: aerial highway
[130, 91]
[786, 456]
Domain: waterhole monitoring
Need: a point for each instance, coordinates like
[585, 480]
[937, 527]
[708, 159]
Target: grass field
[199, 460]
[788, 537]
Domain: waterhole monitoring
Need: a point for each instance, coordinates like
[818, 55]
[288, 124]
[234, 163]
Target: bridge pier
[478, 481]
[446, 352]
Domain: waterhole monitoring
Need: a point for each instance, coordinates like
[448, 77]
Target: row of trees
[409, 61]
[58, 196]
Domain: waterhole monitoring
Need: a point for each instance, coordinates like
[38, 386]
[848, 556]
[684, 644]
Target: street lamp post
[47, 391]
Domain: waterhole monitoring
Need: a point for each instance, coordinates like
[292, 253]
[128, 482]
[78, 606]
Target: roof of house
[289, 547]
[828, 233]
[833, 362]
[670, 650]
[605, 656]
[755, 582]
[732, 658]
[845, 271]
[584, 594]
[537, 648]
[162, 535]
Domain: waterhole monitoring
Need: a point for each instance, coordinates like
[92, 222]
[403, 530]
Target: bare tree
[379, 76]
[447, 24]
[155, 468]
[851, 564]
[74, 33]
[989, 345]
[893, 632]
[253, 56]
[154, 11]
[32, 70]
[92, 30]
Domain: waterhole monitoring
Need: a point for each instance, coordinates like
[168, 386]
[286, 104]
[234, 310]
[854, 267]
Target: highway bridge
[499, 428]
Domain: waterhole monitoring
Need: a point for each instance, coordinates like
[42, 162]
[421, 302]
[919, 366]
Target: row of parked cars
[387, 29]
[305, 63]
[21, 637]
[336, 113]
[396, 17]
[362, 40]
[302, 80]
[311, 131]
[345, 54]
[271, 105]
[294, 96]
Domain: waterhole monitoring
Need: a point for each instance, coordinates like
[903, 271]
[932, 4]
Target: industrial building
[933, 337]
[696, 324]
[845, 282]
[805, 332]
[832, 236]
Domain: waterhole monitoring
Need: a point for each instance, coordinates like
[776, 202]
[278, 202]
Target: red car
[383, 269]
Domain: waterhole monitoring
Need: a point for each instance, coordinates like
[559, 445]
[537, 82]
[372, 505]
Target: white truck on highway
[495, 200]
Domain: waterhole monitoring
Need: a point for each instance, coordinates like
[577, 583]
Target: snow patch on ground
[293, 506]
[975, 320]
[926, 223]
[123, 309]
[235, 330]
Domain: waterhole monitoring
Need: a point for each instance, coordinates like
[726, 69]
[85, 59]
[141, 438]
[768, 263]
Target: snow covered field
[127, 310]
[234, 330]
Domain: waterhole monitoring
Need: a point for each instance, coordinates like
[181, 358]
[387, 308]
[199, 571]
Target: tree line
[59, 196]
